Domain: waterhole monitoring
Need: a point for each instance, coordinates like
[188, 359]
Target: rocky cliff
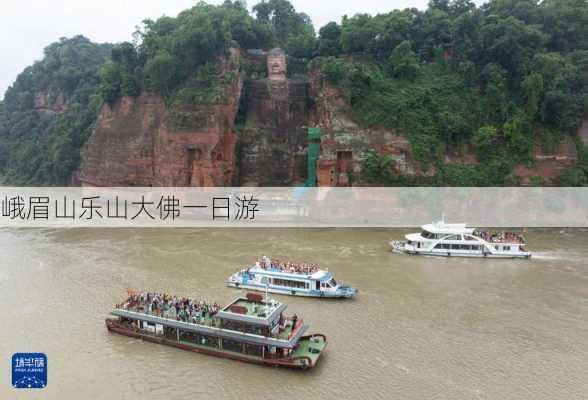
[244, 127]
[277, 112]
[343, 141]
[143, 141]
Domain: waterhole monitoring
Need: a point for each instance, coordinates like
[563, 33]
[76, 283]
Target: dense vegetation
[40, 147]
[173, 50]
[500, 78]
[504, 77]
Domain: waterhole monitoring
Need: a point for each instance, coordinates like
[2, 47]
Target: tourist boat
[289, 278]
[443, 239]
[250, 328]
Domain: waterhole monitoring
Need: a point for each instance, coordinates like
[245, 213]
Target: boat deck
[170, 313]
[310, 347]
[252, 309]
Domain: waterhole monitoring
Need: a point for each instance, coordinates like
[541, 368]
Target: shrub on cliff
[48, 113]
[377, 168]
[170, 50]
[442, 75]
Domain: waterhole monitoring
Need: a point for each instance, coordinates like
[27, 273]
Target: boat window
[289, 283]
[453, 237]
[195, 338]
[333, 282]
[239, 326]
[428, 235]
[253, 349]
[507, 248]
[232, 345]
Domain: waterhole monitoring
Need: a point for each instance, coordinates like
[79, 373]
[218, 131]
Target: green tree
[403, 62]
[160, 72]
[377, 168]
[517, 132]
[329, 43]
[486, 142]
[302, 45]
[283, 19]
[496, 93]
[111, 81]
[532, 88]
[358, 33]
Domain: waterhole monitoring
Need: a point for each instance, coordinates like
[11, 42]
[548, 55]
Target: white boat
[443, 239]
[289, 278]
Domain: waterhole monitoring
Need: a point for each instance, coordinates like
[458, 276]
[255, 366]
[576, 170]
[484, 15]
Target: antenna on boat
[267, 298]
[443, 218]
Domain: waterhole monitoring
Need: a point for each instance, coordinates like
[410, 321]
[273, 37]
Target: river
[420, 327]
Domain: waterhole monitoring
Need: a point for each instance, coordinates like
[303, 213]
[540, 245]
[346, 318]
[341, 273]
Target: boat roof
[264, 312]
[445, 228]
[319, 275]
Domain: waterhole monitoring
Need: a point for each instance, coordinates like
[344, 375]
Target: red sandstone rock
[548, 166]
[142, 142]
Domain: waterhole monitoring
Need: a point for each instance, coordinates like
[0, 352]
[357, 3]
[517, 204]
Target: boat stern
[309, 349]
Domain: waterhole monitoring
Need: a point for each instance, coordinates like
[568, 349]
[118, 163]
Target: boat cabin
[248, 326]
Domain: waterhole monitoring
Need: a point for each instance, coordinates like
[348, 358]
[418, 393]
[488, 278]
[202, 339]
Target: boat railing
[299, 323]
[503, 237]
[288, 267]
[169, 314]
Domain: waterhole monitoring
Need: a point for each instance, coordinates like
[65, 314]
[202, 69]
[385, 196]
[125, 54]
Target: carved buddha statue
[276, 65]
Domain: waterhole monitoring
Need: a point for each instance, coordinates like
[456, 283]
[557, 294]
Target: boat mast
[266, 298]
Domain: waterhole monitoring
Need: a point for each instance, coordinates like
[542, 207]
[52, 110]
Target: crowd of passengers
[500, 237]
[295, 268]
[167, 306]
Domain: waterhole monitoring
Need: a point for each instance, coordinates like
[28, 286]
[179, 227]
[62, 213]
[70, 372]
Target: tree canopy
[502, 77]
[48, 113]
[505, 76]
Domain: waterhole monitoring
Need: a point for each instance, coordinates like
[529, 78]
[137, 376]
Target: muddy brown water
[420, 328]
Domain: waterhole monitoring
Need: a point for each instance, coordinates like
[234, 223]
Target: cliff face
[273, 143]
[144, 142]
[192, 141]
[343, 141]
[548, 165]
[583, 133]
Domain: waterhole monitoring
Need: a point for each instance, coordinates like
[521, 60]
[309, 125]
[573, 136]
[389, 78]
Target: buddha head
[276, 64]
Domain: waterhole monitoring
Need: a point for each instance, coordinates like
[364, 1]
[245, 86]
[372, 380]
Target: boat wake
[556, 256]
